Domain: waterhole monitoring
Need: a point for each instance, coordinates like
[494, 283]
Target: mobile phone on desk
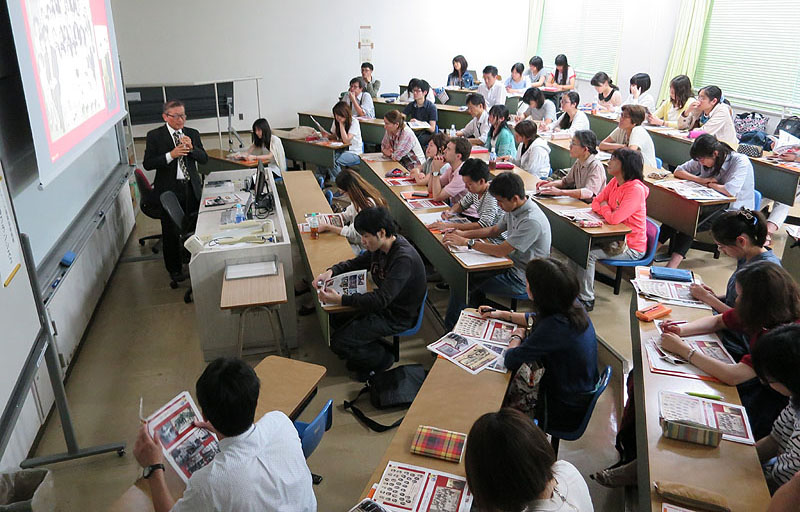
[419, 194]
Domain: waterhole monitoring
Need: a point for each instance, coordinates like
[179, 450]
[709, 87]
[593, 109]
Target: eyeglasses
[416, 90]
[176, 116]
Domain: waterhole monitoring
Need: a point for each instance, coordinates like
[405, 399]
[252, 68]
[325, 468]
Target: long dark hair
[501, 112]
[266, 133]
[461, 60]
[359, 190]
[560, 77]
[705, 145]
[743, 222]
[526, 129]
[508, 460]
[566, 121]
[554, 287]
[776, 357]
[682, 87]
[342, 109]
[769, 297]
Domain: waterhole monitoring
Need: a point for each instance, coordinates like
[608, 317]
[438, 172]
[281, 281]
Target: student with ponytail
[571, 119]
[710, 113]
[608, 95]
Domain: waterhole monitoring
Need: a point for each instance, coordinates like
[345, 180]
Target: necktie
[181, 162]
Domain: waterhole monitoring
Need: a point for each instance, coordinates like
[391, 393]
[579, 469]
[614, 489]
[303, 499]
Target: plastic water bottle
[492, 160]
[452, 130]
[313, 225]
[594, 108]
[239, 213]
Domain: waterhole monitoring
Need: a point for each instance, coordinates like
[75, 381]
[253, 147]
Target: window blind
[751, 50]
[587, 32]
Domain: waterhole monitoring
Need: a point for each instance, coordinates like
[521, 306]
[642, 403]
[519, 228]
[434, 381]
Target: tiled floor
[142, 342]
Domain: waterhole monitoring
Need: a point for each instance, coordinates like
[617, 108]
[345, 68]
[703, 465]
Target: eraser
[68, 258]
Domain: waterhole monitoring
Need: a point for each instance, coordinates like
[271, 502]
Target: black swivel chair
[171, 206]
[150, 205]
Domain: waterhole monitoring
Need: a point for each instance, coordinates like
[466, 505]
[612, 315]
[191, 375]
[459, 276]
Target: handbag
[749, 121]
[750, 150]
[789, 124]
[394, 388]
[523, 392]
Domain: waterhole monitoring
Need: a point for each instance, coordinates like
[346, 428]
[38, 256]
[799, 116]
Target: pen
[141, 416]
[487, 310]
[704, 395]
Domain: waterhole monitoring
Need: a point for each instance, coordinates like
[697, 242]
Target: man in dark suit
[174, 151]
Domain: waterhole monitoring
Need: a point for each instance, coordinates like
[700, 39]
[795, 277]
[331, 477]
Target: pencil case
[671, 274]
[692, 497]
[691, 432]
[504, 166]
[438, 443]
[651, 313]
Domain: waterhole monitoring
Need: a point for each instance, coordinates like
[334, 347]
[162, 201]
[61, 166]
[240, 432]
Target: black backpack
[789, 124]
[394, 388]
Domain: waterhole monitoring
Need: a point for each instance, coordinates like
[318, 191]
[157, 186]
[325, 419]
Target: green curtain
[692, 19]
[534, 26]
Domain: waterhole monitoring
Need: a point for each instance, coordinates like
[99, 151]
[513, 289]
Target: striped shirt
[786, 432]
[485, 206]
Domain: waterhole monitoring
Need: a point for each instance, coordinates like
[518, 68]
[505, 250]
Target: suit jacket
[159, 143]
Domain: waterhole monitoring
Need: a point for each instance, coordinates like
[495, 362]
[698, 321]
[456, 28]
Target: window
[587, 32]
[750, 51]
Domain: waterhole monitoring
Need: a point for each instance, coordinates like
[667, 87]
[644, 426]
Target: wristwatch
[149, 470]
[470, 243]
[436, 173]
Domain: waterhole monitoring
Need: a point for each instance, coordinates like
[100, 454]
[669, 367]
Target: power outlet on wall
[241, 117]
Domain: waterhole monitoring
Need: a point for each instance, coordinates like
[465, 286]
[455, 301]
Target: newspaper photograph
[464, 352]
[492, 330]
[186, 447]
[348, 283]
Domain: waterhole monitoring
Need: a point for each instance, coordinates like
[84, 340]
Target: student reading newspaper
[260, 465]
[399, 275]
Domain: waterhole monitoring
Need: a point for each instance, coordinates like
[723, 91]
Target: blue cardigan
[505, 142]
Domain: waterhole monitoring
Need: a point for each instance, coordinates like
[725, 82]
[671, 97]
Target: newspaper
[408, 488]
[400, 182]
[786, 143]
[419, 204]
[473, 325]
[186, 447]
[334, 219]
[793, 231]
[667, 292]
[348, 283]
[730, 418]
[691, 190]
[375, 157]
[579, 214]
[418, 124]
[469, 354]
[662, 361]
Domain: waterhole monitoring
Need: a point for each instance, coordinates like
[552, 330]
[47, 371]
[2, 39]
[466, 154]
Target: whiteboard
[18, 316]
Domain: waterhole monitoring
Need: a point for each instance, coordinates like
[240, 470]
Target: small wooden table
[266, 293]
[287, 385]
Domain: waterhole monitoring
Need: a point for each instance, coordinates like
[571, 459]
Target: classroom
[374, 257]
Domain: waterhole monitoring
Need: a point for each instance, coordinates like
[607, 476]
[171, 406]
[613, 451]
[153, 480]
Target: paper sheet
[471, 257]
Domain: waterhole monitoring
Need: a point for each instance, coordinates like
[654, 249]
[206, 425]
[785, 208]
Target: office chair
[172, 207]
[150, 205]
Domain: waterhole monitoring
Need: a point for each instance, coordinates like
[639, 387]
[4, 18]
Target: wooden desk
[321, 153]
[305, 196]
[450, 398]
[372, 130]
[286, 385]
[732, 469]
[451, 268]
[218, 161]
[448, 114]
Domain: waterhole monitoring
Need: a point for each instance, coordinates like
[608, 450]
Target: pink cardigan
[626, 204]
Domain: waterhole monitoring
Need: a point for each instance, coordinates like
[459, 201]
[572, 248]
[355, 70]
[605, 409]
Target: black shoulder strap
[372, 424]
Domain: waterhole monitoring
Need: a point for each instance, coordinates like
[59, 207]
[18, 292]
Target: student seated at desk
[445, 183]
[399, 141]
[460, 77]
[680, 98]
[608, 95]
[491, 89]
[768, 297]
[533, 152]
[587, 176]
[776, 358]
[535, 73]
[528, 237]
[399, 276]
[640, 84]
[362, 196]
[711, 114]
[407, 96]
[372, 85]
[358, 99]
[571, 119]
[715, 165]
[500, 139]
[631, 134]
[561, 340]
[267, 147]
[260, 466]
[345, 128]
[511, 466]
[478, 127]
[433, 151]
[622, 201]
[517, 82]
[476, 176]
[422, 110]
[539, 108]
[563, 77]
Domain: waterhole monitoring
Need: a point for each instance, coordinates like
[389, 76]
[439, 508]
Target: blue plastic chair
[653, 231]
[659, 163]
[321, 180]
[516, 298]
[410, 332]
[757, 197]
[557, 435]
[329, 196]
[311, 433]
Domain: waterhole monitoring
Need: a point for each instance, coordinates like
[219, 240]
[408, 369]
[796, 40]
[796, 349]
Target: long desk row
[732, 469]
[449, 115]
[458, 97]
[372, 130]
[773, 179]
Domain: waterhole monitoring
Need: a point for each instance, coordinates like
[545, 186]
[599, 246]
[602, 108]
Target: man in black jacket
[174, 151]
[399, 275]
